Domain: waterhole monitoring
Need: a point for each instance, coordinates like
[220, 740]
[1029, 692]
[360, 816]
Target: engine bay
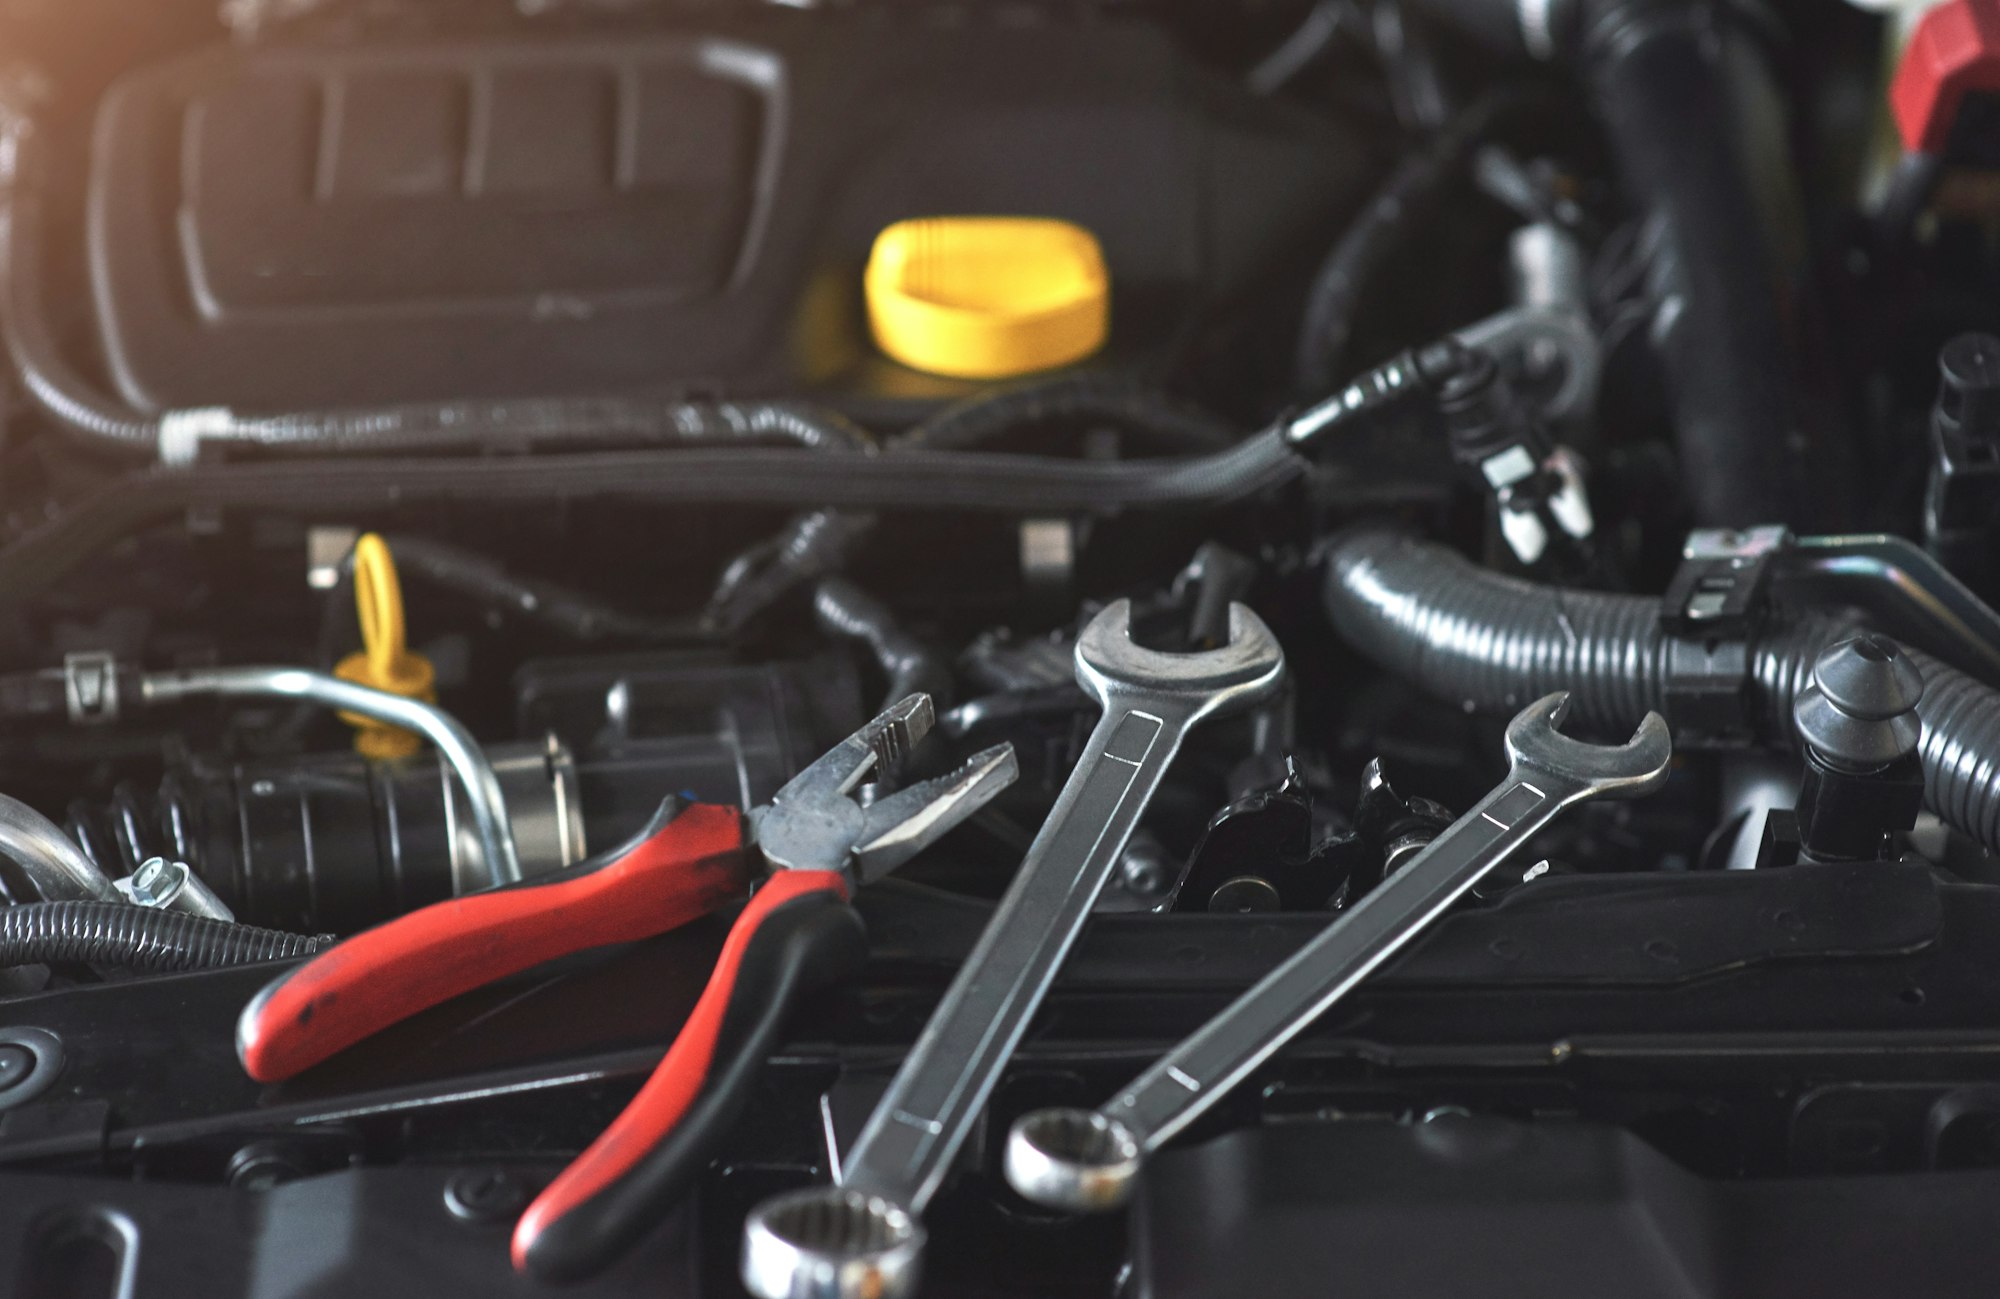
[1122, 648]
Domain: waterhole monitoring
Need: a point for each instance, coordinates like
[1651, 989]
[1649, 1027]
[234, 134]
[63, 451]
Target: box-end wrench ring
[1084, 1160]
[862, 1238]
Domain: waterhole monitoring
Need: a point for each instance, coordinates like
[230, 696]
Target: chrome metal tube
[49, 858]
[482, 787]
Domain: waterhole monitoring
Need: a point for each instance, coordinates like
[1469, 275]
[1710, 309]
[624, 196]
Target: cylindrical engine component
[1547, 268]
[334, 842]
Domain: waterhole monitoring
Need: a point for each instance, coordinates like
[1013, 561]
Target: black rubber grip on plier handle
[807, 944]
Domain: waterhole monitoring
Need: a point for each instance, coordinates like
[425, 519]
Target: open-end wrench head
[1245, 671]
[831, 1242]
[1638, 766]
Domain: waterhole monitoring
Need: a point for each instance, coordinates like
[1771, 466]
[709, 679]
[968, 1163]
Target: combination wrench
[861, 1238]
[1083, 1160]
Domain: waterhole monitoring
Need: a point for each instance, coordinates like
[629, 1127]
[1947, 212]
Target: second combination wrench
[861, 1239]
[1084, 1160]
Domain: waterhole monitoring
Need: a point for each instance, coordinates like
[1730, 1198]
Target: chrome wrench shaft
[834, 1243]
[1082, 1160]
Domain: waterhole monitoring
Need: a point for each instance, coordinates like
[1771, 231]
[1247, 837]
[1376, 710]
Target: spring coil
[128, 829]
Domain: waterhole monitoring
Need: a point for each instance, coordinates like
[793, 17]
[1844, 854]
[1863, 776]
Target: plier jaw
[818, 822]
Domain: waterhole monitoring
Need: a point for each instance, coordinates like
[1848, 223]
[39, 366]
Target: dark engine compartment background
[1632, 1071]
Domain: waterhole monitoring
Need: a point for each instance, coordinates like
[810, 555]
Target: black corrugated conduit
[908, 480]
[1493, 643]
[138, 938]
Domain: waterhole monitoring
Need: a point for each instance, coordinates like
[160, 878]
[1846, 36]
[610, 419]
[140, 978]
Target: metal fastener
[483, 1195]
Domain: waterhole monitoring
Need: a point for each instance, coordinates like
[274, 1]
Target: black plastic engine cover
[307, 226]
[1490, 1208]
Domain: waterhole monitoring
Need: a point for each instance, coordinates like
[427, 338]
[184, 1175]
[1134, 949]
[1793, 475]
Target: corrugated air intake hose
[1495, 643]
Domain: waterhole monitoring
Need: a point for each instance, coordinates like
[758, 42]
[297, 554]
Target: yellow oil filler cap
[987, 297]
[384, 661]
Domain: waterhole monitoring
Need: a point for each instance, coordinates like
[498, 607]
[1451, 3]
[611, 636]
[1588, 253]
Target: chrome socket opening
[1071, 1159]
[831, 1243]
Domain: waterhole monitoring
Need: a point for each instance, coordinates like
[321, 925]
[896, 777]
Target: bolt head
[1245, 893]
[485, 1195]
[1143, 869]
[157, 882]
[262, 1165]
[1971, 363]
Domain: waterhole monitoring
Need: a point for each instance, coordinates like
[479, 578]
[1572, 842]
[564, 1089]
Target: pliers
[810, 847]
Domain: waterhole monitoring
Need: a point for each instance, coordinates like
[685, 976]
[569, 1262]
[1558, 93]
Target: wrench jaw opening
[1247, 670]
[1638, 766]
[831, 1242]
[1079, 1161]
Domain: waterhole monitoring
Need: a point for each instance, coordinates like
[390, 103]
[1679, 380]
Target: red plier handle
[796, 934]
[676, 873]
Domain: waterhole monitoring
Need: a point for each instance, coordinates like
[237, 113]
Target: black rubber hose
[138, 938]
[1391, 219]
[845, 610]
[1487, 642]
[1692, 115]
[47, 378]
[572, 613]
[901, 480]
[817, 544]
[1695, 121]
[455, 425]
[908, 480]
[1122, 403]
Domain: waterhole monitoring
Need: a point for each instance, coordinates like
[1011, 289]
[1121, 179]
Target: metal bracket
[90, 688]
[1719, 588]
[1710, 612]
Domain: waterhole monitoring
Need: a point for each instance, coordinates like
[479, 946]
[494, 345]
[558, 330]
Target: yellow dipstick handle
[385, 660]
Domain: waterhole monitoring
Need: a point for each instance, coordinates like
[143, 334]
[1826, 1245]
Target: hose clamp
[1720, 586]
[183, 431]
[1710, 613]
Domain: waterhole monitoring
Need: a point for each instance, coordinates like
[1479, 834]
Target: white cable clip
[183, 431]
